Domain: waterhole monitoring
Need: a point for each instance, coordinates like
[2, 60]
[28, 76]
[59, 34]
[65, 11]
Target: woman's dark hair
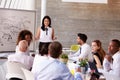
[43, 25]
[22, 34]
[43, 50]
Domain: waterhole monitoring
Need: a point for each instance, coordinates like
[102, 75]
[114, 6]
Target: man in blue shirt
[52, 68]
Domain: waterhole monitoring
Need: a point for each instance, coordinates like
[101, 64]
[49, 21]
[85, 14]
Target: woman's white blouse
[46, 36]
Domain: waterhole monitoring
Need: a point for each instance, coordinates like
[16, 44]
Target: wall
[98, 21]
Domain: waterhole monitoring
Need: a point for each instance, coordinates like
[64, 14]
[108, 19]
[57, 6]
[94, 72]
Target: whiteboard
[11, 23]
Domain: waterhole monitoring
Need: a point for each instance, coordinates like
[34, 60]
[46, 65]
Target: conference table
[72, 66]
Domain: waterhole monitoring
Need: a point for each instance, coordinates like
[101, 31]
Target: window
[87, 1]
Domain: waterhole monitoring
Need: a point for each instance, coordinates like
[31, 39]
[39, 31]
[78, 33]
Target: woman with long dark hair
[24, 35]
[45, 33]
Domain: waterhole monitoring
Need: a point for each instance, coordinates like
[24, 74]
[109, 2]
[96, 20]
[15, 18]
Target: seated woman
[98, 53]
[40, 57]
[24, 35]
[21, 56]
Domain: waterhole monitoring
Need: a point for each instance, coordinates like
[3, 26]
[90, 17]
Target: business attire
[45, 36]
[22, 58]
[116, 66]
[51, 69]
[113, 67]
[84, 52]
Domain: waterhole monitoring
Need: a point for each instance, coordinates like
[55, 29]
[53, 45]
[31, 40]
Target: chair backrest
[14, 70]
[28, 74]
[74, 47]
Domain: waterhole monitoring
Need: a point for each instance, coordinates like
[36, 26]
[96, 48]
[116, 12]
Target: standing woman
[98, 53]
[45, 33]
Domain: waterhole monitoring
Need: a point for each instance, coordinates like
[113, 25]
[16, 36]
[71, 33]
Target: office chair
[28, 74]
[14, 70]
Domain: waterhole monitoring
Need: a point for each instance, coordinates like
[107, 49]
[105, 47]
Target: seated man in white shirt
[52, 68]
[84, 51]
[21, 56]
[113, 49]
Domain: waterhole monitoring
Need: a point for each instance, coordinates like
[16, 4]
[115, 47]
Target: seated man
[52, 68]
[113, 50]
[84, 51]
[21, 56]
